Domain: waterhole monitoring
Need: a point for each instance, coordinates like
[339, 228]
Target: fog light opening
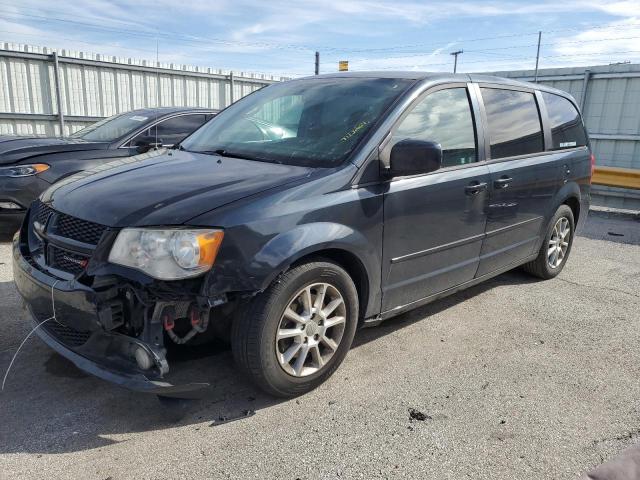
[143, 358]
[9, 206]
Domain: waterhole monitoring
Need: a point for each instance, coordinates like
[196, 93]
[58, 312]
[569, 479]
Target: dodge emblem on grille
[82, 263]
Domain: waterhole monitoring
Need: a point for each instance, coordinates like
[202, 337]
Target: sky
[280, 37]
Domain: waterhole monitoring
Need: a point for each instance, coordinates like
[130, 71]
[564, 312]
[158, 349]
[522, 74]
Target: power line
[496, 37]
[167, 34]
[509, 59]
[492, 49]
[191, 38]
[136, 49]
[198, 41]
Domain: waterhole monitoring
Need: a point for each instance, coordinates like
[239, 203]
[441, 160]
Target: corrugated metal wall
[611, 109]
[94, 86]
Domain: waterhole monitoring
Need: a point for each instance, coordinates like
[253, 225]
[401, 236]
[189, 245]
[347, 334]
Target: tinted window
[313, 122]
[175, 129]
[514, 123]
[443, 117]
[567, 130]
[112, 128]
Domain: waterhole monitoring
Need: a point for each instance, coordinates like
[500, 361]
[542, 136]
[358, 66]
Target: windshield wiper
[223, 152]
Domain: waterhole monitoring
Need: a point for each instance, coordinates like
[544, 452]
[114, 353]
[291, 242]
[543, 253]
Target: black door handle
[475, 188]
[502, 182]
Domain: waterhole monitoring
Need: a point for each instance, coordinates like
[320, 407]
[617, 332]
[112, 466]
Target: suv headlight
[23, 170]
[167, 254]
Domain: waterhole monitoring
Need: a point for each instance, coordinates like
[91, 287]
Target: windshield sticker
[138, 118]
[355, 130]
[567, 144]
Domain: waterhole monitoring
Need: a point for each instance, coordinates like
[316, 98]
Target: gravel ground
[512, 379]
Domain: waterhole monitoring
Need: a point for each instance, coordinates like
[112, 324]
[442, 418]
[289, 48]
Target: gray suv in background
[299, 213]
[28, 165]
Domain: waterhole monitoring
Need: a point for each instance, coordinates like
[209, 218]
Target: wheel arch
[351, 264]
[573, 202]
[568, 195]
[334, 242]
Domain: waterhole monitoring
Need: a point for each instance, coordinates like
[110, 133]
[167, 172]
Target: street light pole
[455, 61]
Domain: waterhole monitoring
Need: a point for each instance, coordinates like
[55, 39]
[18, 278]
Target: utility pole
[317, 63]
[538, 56]
[455, 61]
[56, 76]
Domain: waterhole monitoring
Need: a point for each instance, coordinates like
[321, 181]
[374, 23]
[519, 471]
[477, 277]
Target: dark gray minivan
[299, 213]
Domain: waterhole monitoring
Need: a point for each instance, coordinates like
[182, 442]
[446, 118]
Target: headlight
[167, 254]
[23, 170]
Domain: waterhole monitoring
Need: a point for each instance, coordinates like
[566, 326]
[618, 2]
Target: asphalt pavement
[513, 379]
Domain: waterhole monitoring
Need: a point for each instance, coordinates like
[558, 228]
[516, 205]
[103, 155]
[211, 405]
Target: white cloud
[616, 41]
[271, 36]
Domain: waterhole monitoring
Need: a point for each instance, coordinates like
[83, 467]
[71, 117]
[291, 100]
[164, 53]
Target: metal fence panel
[611, 111]
[94, 86]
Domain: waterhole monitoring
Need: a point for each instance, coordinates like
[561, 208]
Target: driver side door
[434, 223]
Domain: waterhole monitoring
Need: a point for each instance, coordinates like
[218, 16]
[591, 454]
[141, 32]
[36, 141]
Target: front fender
[288, 247]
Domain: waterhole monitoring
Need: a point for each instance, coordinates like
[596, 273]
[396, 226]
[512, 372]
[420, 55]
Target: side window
[567, 130]
[514, 122]
[175, 129]
[443, 117]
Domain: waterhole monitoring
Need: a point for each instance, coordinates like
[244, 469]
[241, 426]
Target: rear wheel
[295, 334]
[556, 246]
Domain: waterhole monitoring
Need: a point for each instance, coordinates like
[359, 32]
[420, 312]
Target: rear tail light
[593, 164]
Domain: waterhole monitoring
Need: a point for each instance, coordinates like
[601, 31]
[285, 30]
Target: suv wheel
[555, 247]
[295, 334]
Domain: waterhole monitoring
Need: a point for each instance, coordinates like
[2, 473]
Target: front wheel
[556, 246]
[293, 336]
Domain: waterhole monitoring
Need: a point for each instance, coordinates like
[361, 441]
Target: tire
[264, 358]
[542, 267]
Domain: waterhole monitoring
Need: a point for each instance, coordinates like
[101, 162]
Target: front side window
[514, 122]
[312, 122]
[112, 128]
[567, 130]
[175, 129]
[442, 117]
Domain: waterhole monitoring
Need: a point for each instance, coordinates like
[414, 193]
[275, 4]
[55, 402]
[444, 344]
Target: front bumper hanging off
[76, 333]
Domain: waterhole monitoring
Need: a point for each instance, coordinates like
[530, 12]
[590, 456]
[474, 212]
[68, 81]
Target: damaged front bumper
[70, 318]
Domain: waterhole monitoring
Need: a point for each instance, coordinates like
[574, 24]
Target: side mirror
[145, 143]
[411, 157]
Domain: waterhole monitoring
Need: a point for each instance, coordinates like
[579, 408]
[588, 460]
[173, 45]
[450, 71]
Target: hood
[16, 149]
[164, 188]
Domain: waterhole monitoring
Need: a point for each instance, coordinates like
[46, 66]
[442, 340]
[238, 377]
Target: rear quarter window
[513, 121]
[567, 130]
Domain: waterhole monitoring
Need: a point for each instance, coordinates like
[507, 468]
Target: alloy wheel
[310, 329]
[559, 242]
